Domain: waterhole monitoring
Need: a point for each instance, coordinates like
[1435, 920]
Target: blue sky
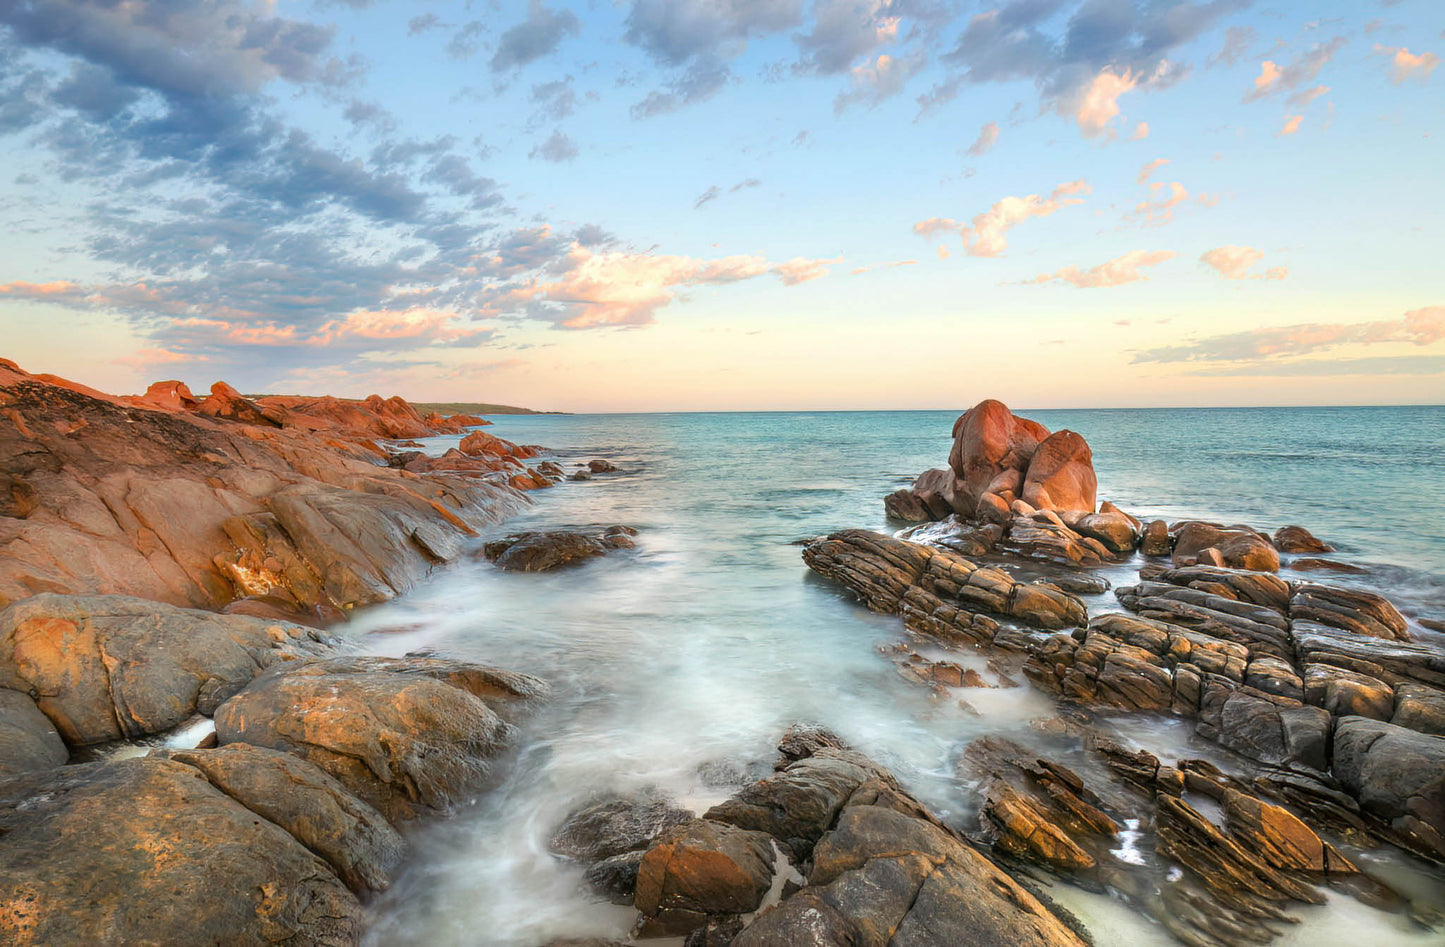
[714, 204]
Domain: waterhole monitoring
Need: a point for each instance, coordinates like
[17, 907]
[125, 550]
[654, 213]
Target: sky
[730, 204]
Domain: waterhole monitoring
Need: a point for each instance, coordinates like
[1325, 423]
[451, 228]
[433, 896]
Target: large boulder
[991, 452]
[1399, 777]
[108, 667]
[28, 740]
[1237, 547]
[701, 869]
[146, 851]
[359, 845]
[408, 736]
[1061, 474]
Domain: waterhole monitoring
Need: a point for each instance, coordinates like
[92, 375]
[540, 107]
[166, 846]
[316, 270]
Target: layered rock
[199, 503]
[880, 868]
[611, 837]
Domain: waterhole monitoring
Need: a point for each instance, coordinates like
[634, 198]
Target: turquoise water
[686, 659]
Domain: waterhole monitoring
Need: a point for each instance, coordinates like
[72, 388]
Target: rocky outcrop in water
[878, 867]
[199, 503]
[545, 551]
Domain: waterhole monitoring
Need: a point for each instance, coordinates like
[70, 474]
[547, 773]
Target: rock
[1156, 540]
[159, 502]
[109, 667]
[614, 827]
[1298, 539]
[991, 508]
[804, 740]
[580, 475]
[888, 873]
[353, 838]
[409, 736]
[1061, 474]
[1314, 564]
[903, 505]
[1280, 837]
[991, 451]
[800, 802]
[952, 533]
[1264, 726]
[229, 404]
[615, 878]
[1399, 777]
[701, 869]
[1363, 613]
[1044, 538]
[1348, 693]
[1421, 708]
[480, 442]
[141, 850]
[1115, 530]
[601, 466]
[28, 740]
[543, 551]
[934, 490]
[1239, 547]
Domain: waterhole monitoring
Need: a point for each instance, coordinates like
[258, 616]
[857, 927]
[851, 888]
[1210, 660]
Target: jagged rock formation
[199, 503]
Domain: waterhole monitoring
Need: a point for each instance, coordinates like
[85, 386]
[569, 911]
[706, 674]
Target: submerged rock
[543, 551]
[1298, 539]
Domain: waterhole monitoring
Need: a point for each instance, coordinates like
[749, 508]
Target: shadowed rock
[28, 740]
[544, 551]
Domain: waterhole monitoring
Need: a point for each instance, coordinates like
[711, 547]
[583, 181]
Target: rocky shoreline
[176, 566]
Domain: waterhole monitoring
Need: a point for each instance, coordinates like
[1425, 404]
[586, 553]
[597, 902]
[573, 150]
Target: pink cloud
[1141, 131]
[1159, 208]
[1116, 272]
[1418, 327]
[1291, 125]
[802, 270]
[1407, 65]
[1149, 169]
[987, 138]
[1234, 262]
[987, 233]
[1098, 102]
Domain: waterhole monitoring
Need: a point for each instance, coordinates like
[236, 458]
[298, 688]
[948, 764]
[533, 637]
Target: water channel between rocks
[675, 667]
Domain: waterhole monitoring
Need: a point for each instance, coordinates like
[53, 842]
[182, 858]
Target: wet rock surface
[544, 551]
[28, 740]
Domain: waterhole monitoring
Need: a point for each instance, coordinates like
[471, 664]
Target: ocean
[676, 667]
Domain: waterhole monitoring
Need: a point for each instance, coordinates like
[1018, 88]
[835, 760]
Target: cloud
[986, 234]
[1116, 272]
[1098, 102]
[879, 79]
[1291, 125]
[987, 138]
[1304, 97]
[1237, 41]
[1081, 61]
[555, 100]
[711, 194]
[422, 24]
[537, 36]
[1274, 78]
[891, 265]
[803, 270]
[714, 192]
[1141, 131]
[1159, 208]
[1406, 65]
[598, 290]
[843, 31]
[1149, 169]
[1418, 327]
[1330, 367]
[557, 148]
[1234, 262]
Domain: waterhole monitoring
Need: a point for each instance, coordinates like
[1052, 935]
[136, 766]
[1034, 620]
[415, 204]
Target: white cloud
[987, 233]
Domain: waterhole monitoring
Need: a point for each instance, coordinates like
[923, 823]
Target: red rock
[1237, 547]
[1061, 474]
[991, 451]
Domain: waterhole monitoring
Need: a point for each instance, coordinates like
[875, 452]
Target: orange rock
[1061, 474]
